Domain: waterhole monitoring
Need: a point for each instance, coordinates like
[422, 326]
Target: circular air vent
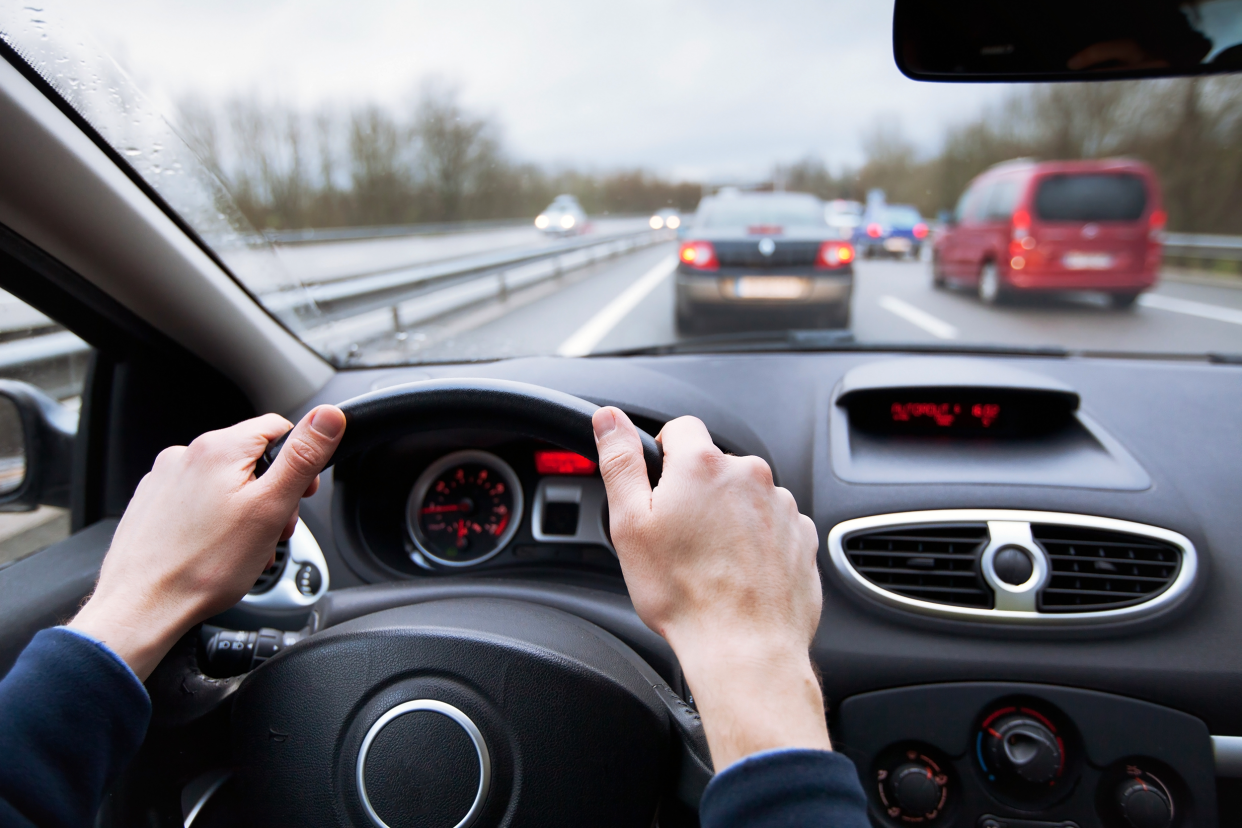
[1013, 566]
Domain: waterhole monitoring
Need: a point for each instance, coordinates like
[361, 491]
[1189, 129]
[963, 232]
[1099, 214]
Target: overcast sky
[693, 89]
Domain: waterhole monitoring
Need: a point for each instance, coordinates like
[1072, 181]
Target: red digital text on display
[945, 414]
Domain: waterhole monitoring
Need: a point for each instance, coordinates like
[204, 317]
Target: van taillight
[920, 230]
[1156, 224]
[1021, 224]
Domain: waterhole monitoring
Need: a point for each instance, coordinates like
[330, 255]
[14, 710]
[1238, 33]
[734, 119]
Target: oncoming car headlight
[567, 222]
[656, 222]
[673, 223]
[542, 222]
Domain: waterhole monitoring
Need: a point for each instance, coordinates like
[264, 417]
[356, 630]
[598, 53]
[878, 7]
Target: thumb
[308, 448]
[621, 465]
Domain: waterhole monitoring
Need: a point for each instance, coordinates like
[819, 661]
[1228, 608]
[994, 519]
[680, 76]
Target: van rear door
[1091, 222]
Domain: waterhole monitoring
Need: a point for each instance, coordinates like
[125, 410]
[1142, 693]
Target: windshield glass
[407, 182]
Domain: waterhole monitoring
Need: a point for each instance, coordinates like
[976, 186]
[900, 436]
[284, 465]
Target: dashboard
[1030, 564]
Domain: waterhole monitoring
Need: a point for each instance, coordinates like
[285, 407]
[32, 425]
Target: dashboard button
[1144, 805]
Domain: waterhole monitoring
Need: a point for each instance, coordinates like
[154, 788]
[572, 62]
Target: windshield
[399, 183]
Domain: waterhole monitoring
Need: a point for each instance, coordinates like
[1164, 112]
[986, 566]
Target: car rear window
[767, 212]
[903, 218]
[1091, 197]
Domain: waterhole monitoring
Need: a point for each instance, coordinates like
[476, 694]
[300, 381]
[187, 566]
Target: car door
[103, 393]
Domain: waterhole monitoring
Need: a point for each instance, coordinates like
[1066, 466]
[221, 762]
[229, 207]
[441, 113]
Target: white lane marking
[597, 327]
[936, 327]
[1200, 309]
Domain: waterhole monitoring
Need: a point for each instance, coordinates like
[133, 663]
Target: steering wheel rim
[431, 405]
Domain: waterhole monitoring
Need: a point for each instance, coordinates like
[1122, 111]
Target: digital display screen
[958, 412]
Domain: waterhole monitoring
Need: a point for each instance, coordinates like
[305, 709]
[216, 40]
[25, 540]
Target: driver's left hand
[199, 531]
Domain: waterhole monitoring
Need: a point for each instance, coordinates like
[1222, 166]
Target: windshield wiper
[816, 340]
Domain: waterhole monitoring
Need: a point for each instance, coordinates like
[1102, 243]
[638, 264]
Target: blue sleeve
[786, 789]
[72, 715]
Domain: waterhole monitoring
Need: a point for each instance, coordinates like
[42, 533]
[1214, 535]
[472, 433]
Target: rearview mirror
[36, 448]
[993, 40]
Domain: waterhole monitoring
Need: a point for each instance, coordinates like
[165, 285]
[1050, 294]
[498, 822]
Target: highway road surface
[628, 303]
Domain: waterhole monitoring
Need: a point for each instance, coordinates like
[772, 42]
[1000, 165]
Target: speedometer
[464, 508]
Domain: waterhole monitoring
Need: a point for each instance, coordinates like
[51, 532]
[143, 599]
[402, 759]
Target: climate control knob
[1143, 804]
[914, 790]
[1021, 746]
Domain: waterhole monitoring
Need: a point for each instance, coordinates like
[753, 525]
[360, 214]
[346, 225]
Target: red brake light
[1021, 224]
[835, 254]
[699, 254]
[920, 231]
[765, 230]
[874, 230]
[555, 461]
[1158, 219]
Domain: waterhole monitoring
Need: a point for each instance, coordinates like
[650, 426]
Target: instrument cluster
[422, 508]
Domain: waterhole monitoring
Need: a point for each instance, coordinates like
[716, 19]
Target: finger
[312, 488]
[243, 442]
[308, 448]
[291, 526]
[686, 441]
[621, 464]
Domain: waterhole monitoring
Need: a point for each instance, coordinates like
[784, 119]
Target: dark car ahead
[761, 261]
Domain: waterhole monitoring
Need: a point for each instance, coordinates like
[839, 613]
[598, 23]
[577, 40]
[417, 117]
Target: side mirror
[36, 448]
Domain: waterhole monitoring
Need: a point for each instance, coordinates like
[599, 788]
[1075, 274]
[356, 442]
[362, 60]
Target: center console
[998, 755]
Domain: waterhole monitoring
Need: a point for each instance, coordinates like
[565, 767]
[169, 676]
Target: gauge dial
[464, 508]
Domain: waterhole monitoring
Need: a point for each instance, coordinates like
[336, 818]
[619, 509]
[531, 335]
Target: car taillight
[874, 230]
[699, 254]
[1021, 224]
[1158, 220]
[835, 254]
[920, 231]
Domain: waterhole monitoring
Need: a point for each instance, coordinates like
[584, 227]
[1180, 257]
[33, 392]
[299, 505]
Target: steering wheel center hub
[423, 763]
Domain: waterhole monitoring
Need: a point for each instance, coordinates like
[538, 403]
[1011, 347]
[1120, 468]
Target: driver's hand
[200, 529]
[719, 561]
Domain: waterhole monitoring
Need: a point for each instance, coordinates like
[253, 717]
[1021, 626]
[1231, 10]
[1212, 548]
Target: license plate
[1088, 261]
[897, 245]
[770, 287]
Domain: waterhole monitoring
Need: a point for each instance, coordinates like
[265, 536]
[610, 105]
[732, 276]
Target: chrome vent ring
[1078, 569]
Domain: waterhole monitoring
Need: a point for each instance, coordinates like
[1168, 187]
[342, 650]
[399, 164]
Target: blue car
[891, 230]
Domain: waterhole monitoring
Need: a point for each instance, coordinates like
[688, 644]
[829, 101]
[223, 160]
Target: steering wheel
[470, 711]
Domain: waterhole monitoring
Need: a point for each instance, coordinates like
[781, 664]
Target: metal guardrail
[331, 234]
[1202, 247]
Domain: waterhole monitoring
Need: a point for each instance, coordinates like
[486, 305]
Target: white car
[668, 217]
[564, 217]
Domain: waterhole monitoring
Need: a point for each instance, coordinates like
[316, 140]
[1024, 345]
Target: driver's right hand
[719, 561]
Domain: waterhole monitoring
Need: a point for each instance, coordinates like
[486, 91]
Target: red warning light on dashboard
[552, 461]
[946, 414]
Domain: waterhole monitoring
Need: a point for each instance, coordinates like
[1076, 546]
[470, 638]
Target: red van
[1055, 226]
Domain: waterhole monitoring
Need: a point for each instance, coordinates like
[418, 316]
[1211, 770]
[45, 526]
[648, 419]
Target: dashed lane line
[584, 340]
[920, 318]
[1200, 309]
